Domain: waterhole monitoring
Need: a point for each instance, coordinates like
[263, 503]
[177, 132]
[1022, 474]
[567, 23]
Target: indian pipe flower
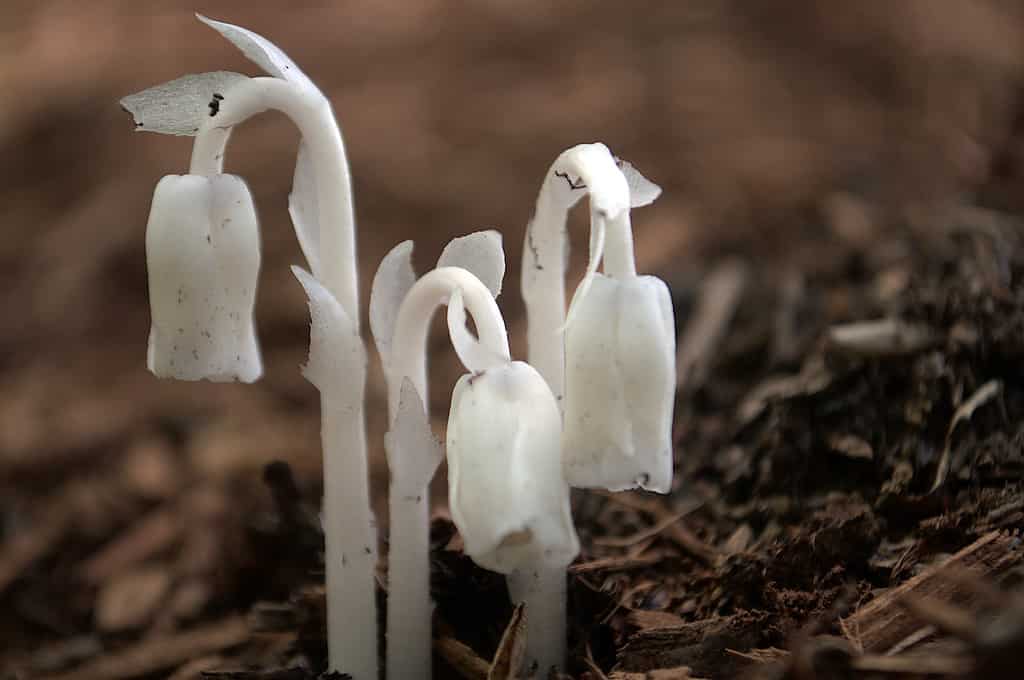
[620, 372]
[506, 486]
[203, 257]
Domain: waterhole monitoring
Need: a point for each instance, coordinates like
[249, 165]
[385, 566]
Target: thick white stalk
[351, 551]
[408, 348]
[312, 114]
[409, 608]
[543, 286]
[349, 536]
[543, 589]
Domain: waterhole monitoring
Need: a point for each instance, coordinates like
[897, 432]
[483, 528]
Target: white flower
[507, 492]
[620, 386]
[203, 257]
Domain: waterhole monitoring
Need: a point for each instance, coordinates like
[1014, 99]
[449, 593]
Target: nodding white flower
[506, 487]
[619, 366]
[203, 257]
[620, 385]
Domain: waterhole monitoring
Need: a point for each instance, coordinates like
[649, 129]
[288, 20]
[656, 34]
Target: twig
[643, 534]
[614, 564]
[982, 395]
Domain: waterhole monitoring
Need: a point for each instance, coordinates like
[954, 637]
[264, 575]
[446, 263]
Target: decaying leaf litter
[835, 495]
[806, 495]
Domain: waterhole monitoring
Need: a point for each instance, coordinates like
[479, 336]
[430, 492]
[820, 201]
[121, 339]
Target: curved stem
[619, 260]
[311, 113]
[208, 151]
[586, 169]
[409, 608]
[348, 532]
[408, 346]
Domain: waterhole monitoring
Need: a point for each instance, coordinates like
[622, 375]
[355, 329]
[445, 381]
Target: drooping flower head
[203, 258]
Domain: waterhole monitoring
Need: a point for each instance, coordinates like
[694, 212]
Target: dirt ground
[840, 228]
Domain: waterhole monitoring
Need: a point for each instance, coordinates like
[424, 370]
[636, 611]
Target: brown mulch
[841, 233]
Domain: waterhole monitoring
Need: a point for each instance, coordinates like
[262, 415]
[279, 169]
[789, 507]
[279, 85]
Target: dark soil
[840, 231]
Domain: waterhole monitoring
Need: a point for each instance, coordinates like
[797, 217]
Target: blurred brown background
[771, 126]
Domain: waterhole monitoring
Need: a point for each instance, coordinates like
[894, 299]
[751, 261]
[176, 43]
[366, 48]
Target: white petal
[303, 209]
[391, 283]
[642, 191]
[506, 490]
[620, 387]
[180, 106]
[473, 354]
[336, 355]
[481, 253]
[203, 258]
[413, 452]
[261, 52]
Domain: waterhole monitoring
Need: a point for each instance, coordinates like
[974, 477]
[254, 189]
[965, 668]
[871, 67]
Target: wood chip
[32, 543]
[881, 338]
[462, 658]
[645, 620]
[154, 533]
[130, 600]
[164, 652]
[884, 622]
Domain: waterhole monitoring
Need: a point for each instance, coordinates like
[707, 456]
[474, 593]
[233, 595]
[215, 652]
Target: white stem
[312, 114]
[208, 151]
[351, 543]
[350, 539]
[409, 343]
[543, 286]
[619, 258]
[409, 609]
[544, 591]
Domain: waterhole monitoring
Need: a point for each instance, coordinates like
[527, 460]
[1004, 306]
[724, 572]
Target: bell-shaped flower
[620, 373]
[620, 385]
[506, 487]
[203, 257]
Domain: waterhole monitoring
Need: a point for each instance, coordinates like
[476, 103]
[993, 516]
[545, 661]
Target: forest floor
[840, 230]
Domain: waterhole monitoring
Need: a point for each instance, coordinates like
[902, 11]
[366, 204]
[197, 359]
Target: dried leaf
[508, 660]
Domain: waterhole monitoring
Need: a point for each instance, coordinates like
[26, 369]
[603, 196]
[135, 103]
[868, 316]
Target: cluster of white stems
[592, 408]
